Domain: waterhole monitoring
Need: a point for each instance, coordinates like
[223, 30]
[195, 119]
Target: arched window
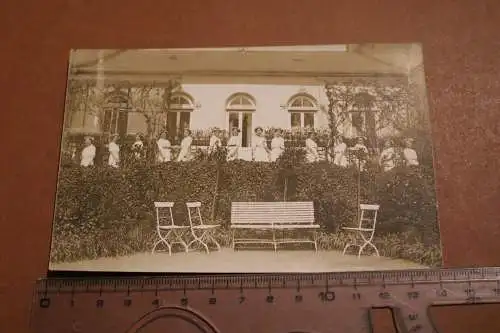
[179, 115]
[181, 102]
[241, 102]
[302, 109]
[363, 116]
[115, 113]
[240, 108]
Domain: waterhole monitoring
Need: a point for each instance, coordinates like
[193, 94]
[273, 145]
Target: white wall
[269, 100]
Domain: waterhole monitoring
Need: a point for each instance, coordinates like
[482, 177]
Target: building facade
[132, 108]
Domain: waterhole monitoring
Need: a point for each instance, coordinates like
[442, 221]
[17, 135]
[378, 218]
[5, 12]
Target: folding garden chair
[364, 232]
[202, 233]
[168, 232]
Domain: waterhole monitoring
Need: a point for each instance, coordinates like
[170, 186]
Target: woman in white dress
[185, 153]
[387, 158]
[312, 154]
[259, 146]
[409, 153]
[215, 141]
[339, 152]
[164, 148]
[88, 152]
[138, 147]
[277, 145]
[360, 154]
[233, 144]
[114, 152]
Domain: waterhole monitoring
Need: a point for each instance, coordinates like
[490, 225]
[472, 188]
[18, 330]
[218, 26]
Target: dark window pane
[184, 123]
[358, 121]
[172, 126]
[233, 120]
[295, 119]
[309, 120]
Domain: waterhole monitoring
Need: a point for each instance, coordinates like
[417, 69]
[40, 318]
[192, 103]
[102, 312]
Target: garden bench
[276, 218]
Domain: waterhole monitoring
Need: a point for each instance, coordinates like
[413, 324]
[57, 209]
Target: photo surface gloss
[312, 158]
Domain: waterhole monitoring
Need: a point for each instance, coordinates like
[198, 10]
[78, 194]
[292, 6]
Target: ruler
[256, 303]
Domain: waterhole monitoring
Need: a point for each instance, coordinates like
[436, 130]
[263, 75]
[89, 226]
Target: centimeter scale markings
[257, 303]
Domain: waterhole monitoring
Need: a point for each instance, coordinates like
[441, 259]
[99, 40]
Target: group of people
[261, 151]
[164, 149]
[388, 159]
[390, 156]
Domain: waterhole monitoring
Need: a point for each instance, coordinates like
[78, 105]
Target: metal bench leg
[274, 240]
[367, 242]
[315, 238]
[163, 240]
[180, 240]
[198, 239]
[348, 246]
[233, 234]
[352, 243]
[213, 240]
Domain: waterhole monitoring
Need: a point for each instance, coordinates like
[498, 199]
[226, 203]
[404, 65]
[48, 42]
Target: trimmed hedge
[102, 200]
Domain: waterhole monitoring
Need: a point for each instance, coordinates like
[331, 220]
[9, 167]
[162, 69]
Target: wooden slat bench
[274, 219]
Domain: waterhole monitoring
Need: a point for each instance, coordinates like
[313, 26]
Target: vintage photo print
[248, 159]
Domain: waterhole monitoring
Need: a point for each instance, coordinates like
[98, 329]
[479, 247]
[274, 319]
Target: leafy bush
[97, 207]
[393, 245]
[73, 242]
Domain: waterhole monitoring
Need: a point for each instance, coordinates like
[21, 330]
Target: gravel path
[229, 261]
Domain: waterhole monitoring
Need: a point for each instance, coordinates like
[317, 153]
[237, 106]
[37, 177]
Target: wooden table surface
[462, 62]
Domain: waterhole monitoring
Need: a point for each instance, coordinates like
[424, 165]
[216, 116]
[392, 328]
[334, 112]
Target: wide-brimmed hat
[258, 128]
[235, 128]
[91, 138]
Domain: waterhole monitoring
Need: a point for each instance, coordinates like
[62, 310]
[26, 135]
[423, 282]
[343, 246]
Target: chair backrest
[282, 212]
[368, 216]
[164, 213]
[196, 206]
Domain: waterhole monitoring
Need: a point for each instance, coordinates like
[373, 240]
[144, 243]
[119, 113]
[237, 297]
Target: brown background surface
[462, 61]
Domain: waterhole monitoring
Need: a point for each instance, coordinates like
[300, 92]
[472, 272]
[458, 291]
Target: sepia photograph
[313, 158]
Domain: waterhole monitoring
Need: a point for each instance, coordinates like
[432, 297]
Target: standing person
[233, 144]
[114, 151]
[164, 148]
[410, 155]
[259, 146]
[185, 153]
[277, 145]
[215, 141]
[88, 152]
[339, 152]
[387, 158]
[138, 147]
[312, 154]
